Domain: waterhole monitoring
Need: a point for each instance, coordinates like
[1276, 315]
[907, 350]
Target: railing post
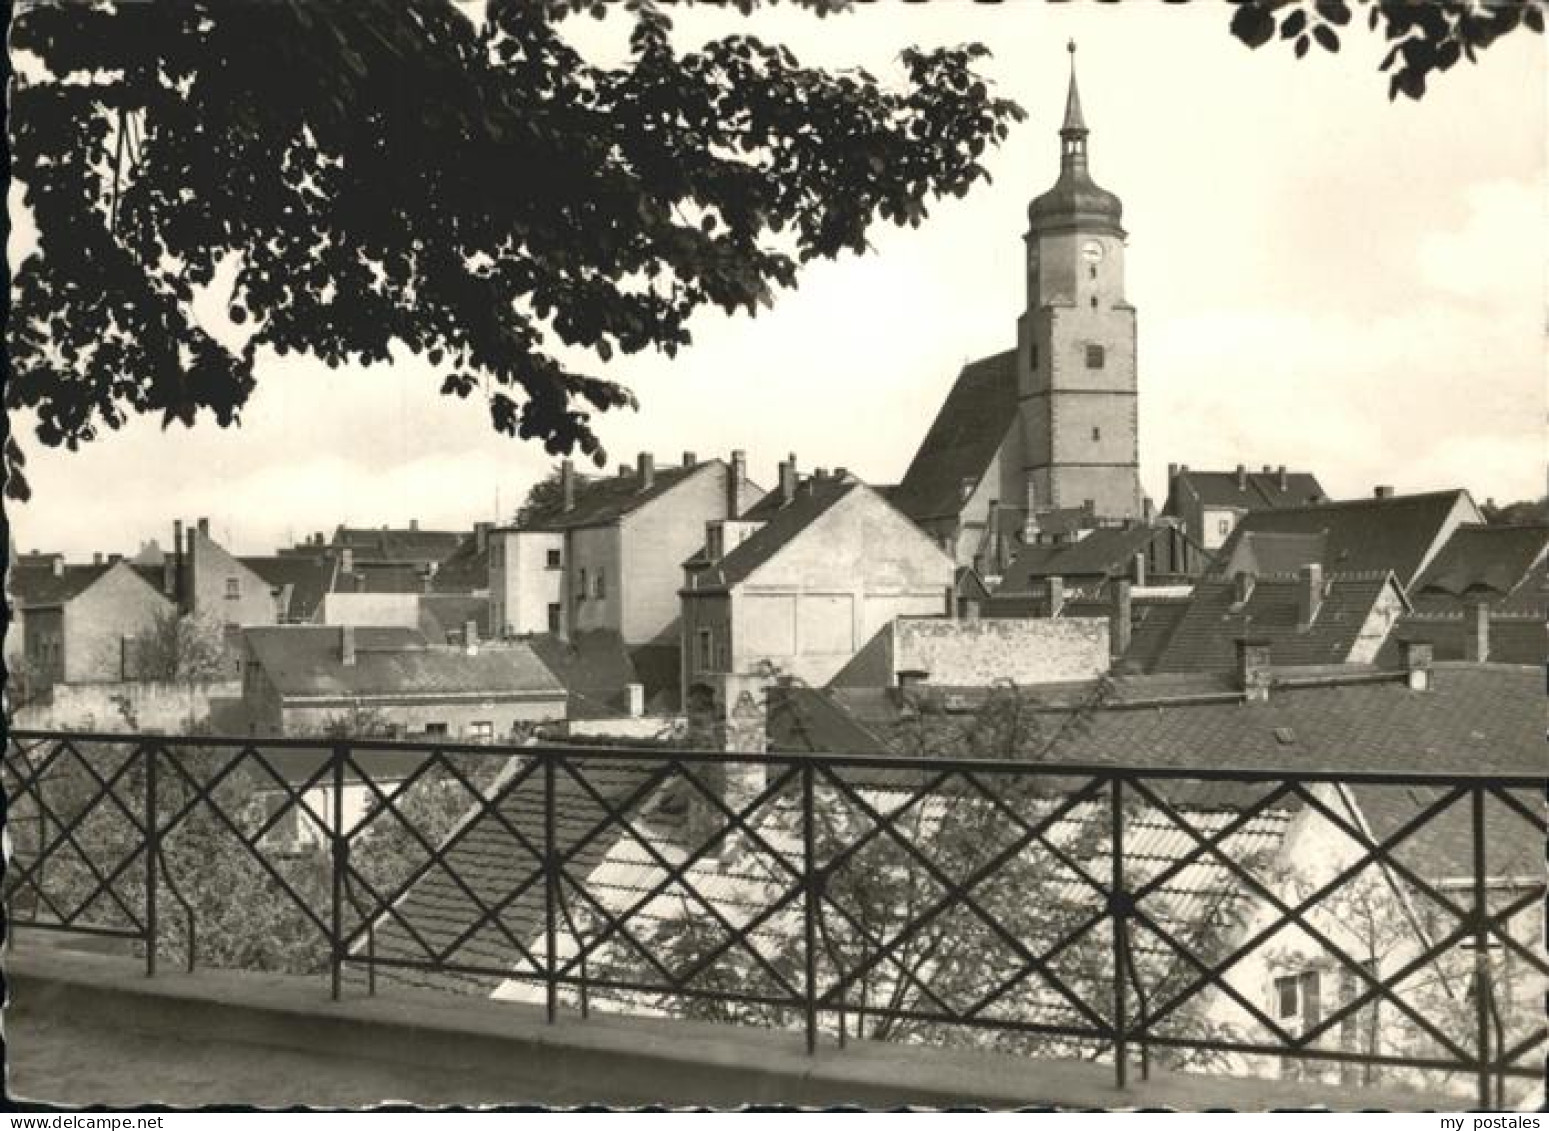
[550, 892]
[809, 904]
[1118, 909]
[340, 857]
[152, 850]
[1481, 954]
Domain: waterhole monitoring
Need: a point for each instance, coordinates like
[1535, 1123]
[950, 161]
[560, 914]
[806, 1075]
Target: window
[554, 617]
[1092, 271]
[580, 589]
[481, 732]
[599, 584]
[1224, 527]
[233, 588]
[435, 728]
[1299, 997]
[1032, 355]
[1097, 433]
[706, 653]
[1095, 357]
[1094, 302]
[552, 560]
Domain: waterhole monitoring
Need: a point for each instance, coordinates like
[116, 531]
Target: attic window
[233, 588]
[1095, 357]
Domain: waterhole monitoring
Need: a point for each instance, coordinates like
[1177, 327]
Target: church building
[1043, 436]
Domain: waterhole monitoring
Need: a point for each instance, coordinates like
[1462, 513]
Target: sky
[1324, 279]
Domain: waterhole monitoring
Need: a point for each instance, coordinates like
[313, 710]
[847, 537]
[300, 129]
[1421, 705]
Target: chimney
[317, 538]
[481, 535]
[1120, 620]
[57, 563]
[1242, 477]
[1172, 474]
[567, 485]
[841, 473]
[1309, 594]
[1268, 470]
[1242, 587]
[690, 459]
[1139, 568]
[736, 476]
[1382, 491]
[634, 699]
[1283, 483]
[970, 610]
[414, 524]
[647, 471]
[1416, 656]
[96, 557]
[347, 645]
[471, 637]
[169, 576]
[177, 564]
[1253, 669]
[788, 481]
[1056, 601]
[114, 559]
[1476, 633]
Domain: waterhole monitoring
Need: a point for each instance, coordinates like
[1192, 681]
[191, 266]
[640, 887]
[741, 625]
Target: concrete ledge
[622, 1060]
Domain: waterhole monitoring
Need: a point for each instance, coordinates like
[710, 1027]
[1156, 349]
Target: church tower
[1077, 393]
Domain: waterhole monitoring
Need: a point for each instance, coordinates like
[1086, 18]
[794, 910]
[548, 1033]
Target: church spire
[1075, 125]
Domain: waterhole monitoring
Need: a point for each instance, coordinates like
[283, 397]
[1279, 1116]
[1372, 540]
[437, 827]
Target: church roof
[1397, 533]
[1076, 200]
[967, 433]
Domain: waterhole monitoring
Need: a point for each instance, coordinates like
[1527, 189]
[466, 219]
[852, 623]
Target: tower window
[1095, 357]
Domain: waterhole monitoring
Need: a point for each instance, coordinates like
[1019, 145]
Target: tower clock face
[1092, 251]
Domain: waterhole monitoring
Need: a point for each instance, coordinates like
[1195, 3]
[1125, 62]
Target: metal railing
[1100, 911]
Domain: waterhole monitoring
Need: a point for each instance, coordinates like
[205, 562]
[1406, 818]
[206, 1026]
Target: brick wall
[169, 708]
[976, 653]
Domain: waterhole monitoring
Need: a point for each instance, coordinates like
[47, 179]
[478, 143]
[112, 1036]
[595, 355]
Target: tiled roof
[305, 581]
[1504, 565]
[1361, 535]
[782, 524]
[594, 668]
[1104, 552]
[420, 547]
[304, 661]
[742, 881]
[1514, 638]
[1265, 551]
[1154, 623]
[1475, 717]
[808, 721]
[465, 570]
[33, 586]
[967, 433]
[445, 614]
[1255, 491]
[600, 501]
[381, 577]
[1204, 638]
[491, 862]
